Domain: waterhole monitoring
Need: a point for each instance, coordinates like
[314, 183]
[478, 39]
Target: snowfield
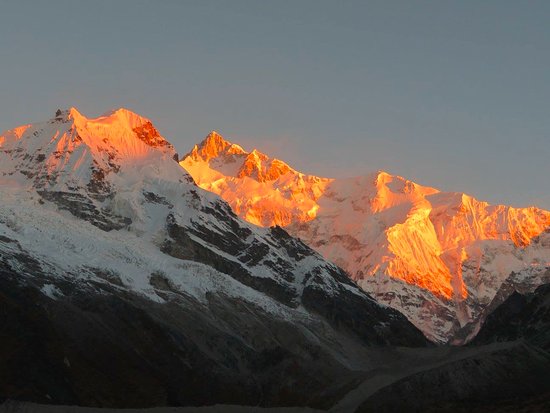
[441, 258]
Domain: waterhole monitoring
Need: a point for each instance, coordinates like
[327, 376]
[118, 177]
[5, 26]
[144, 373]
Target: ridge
[412, 246]
[71, 150]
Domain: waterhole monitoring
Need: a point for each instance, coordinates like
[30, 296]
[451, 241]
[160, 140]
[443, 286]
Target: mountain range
[129, 281]
[126, 284]
[441, 258]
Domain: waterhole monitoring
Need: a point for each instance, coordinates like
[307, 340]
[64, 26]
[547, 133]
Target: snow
[440, 258]
[74, 247]
[411, 246]
[51, 291]
[69, 247]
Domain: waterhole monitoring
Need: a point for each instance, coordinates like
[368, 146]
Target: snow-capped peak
[70, 149]
[233, 160]
[214, 146]
[92, 206]
[389, 233]
[120, 128]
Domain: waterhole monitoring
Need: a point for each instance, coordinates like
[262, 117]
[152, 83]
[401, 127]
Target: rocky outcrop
[519, 317]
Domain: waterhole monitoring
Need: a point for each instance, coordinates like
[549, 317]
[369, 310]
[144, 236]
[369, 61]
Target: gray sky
[452, 94]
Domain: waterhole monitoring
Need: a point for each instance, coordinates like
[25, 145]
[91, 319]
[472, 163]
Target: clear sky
[452, 94]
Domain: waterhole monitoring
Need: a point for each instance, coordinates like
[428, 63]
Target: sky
[450, 94]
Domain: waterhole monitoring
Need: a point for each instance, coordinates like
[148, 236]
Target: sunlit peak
[214, 139]
[214, 145]
[411, 232]
[256, 154]
[73, 113]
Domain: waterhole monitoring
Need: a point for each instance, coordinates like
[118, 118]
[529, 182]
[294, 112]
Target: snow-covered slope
[441, 258]
[100, 224]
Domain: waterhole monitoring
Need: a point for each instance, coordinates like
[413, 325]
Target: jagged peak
[235, 149]
[382, 173]
[72, 151]
[254, 164]
[72, 112]
[214, 139]
[214, 142]
[257, 155]
[381, 177]
[385, 181]
[125, 120]
[259, 166]
[213, 134]
[115, 130]
[214, 145]
[121, 117]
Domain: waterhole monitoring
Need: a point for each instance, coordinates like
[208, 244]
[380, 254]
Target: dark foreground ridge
[21, 407]
[515, 377]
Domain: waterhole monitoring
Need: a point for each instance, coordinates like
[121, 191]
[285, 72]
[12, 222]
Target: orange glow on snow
[424, 233]
[72, 144]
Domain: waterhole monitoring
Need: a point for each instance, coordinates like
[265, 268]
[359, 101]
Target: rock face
[520, 317]
[124, 284]
[441, 258]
